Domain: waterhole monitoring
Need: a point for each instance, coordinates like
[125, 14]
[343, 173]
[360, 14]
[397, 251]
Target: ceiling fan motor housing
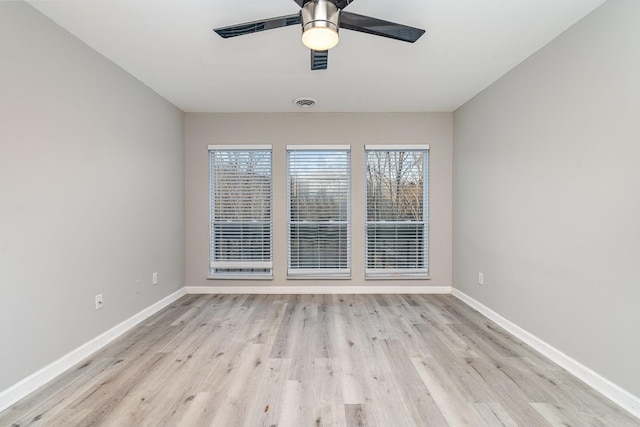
[320, 14]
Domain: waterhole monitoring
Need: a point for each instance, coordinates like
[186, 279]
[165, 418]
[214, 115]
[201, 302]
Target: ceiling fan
[320, 21]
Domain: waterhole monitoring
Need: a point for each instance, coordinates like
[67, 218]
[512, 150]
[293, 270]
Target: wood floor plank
[369, 332]
[507, 393]
[306, 330]
[354, 388]
[469, 386]
[198, 410]
[411, 339]
[105, 398]
[316, 360]
[292, 412]
[286, 338]
[266, 407]
[355, 416]
[398, 308]
[415, 394]
[437, 312]
[451, 340]
[456, 411]
[494, 415]
[240, 389]
[384, 403]
[558, 416]
[328, 409]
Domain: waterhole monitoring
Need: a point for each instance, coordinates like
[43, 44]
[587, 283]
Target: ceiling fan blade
[378, 27]
[257, 26]
[319, 59]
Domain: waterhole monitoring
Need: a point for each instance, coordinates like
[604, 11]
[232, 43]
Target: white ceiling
[170, 46]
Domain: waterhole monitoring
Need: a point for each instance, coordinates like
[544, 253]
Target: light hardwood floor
[316, 360]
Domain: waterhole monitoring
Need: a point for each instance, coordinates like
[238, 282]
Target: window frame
[221, 264]
[399, 273]
[320, 273]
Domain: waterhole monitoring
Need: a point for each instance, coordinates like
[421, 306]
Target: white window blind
[319, 210]
[240, 195]
[397, 224]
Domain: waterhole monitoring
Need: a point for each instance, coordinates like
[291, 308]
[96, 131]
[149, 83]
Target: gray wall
[314, 128]
[91, 193]
[547, 194]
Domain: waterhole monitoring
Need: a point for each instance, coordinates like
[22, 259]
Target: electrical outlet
[480, 278]
[98, 301]
[155, 278]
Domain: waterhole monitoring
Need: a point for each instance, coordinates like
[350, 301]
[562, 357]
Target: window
[397, 226]
[319, 211]
[240, 205]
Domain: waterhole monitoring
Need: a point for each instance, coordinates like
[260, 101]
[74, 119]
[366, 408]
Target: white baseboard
[21, 389]
[298, 290]
[612, 391]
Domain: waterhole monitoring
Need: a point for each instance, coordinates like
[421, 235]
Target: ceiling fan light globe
[320, 38]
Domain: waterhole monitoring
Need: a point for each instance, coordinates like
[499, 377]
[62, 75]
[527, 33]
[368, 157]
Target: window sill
[239, 277]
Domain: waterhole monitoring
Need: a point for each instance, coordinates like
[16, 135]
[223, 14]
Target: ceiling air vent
[305, 102]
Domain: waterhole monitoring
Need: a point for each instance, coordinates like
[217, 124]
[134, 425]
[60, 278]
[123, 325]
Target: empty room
[320, 213]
